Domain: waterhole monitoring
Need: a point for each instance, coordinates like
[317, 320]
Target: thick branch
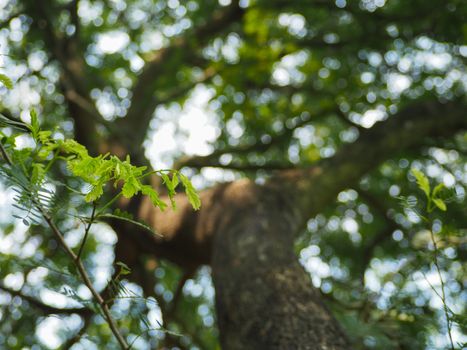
[188, 235]
[212, 160]
[317, 186]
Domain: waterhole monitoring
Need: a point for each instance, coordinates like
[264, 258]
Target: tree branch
[212, 160]
[182, 49]
[318, 185]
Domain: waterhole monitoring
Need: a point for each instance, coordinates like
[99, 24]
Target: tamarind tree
[326, 141]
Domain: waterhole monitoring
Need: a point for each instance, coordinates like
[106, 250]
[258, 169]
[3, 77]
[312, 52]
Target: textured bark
[264, 298]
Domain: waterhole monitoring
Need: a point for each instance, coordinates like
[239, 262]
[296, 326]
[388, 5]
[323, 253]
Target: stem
[443, 294]
[85, 277]
[109, 203]
[5, 155]
[87, 229]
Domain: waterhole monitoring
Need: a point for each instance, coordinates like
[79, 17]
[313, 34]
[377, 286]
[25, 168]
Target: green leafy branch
[433, 197]
[28, 171]
[433, 202]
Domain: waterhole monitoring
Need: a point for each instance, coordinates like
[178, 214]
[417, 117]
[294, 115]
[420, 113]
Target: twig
[5, 155]
[87, 229]
[84, 275]
[443, 293]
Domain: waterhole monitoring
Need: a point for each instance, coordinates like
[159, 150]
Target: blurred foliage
[296, 80]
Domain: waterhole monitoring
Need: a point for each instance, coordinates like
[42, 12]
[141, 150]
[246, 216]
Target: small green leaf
[439, 203]
[422, 181]
[44, 136]
[131, 187]
[38, 172]
[35, 127]
[123, 214]
[175, 181]
[191, 193]
[124, 269]
[6, 81]
[437, 189]
[171, 189]
[153, 196]
[167, 182]
[95, 193]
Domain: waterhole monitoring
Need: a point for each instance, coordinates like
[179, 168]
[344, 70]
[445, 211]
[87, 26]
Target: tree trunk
[264, 298]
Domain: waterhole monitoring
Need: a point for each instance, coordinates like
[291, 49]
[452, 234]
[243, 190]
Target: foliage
[28, 171]
[286, 84]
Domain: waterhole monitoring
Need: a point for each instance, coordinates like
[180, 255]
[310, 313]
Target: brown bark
[264, 298]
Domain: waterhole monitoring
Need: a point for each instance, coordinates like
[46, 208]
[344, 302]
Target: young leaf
[95, 193]
[171, 189]
[439, 203]
[422, 181]
[35, 127]
[6, 81]
[131, 187]
[191, 193]
[437, 189]
[175, 181]
[153, 196]
[124, 269]
[44, 136]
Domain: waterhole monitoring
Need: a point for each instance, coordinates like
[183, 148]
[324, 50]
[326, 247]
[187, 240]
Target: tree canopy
[326, 141]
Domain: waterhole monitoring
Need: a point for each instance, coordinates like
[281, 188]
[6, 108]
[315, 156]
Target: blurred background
[225, 90]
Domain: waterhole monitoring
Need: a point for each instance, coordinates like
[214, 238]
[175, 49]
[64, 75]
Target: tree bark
[264, 297]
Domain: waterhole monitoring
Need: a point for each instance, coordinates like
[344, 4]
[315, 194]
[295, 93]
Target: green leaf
[153, 196]
[422, 181]
[6, 81]
[124, 269]
[171, 189]
[73, 147]
[35, 127]
[131, 187]
[191, 193]
[38, 172]
[13, 123]
[439, 203]
[96, 192]
[44, 136]
[175, 181]
[437, 189]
